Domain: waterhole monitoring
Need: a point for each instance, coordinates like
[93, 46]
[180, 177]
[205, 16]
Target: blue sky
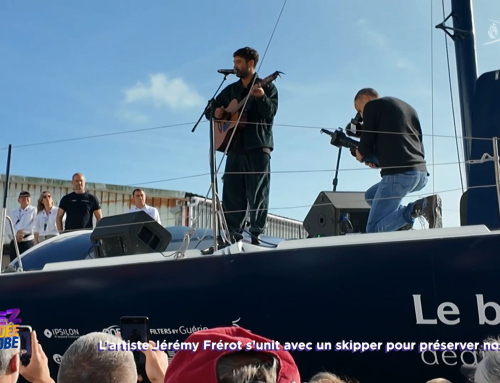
[74, 69]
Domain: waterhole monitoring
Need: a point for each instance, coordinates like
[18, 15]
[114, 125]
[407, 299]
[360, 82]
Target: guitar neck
[263, 83]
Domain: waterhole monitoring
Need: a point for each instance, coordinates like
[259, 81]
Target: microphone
[327, 132]
[227, 71]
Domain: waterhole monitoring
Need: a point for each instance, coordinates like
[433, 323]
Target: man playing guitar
[251, 146]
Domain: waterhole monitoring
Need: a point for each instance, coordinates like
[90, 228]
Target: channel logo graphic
[493, 33]
[57, 358]
[9, 316]
[9, 329]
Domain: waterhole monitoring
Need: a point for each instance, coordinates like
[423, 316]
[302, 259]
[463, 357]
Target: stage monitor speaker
[128, 234]
[337, 213]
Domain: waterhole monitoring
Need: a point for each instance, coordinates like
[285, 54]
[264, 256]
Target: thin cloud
[134, 117]
[306, 90]
[377, 38]
[382, 42]
[404, 63]
[163, 91]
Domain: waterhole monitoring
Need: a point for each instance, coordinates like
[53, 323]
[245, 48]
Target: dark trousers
[242, 189]
[23, 246]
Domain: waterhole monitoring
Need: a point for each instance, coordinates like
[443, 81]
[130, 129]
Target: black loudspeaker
[337, 213]
[129, 233]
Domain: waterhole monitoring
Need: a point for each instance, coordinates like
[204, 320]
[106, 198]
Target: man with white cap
[23, 219]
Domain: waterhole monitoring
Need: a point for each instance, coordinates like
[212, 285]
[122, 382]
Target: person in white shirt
[45, 220]
[139, 197]
[23, 219]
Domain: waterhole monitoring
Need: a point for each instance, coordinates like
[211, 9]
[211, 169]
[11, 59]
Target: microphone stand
[336, 179]
[332, 142]
[213, 177]
[209, 104]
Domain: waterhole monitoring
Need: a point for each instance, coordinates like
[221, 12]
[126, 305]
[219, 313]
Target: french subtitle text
[339, 346]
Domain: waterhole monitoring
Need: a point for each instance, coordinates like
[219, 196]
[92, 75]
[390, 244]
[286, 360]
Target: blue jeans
[387, 213]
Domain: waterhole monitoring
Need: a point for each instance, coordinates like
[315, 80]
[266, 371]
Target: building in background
[176, 208]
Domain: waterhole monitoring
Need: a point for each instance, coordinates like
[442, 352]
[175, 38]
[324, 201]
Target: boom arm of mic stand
[209, 104]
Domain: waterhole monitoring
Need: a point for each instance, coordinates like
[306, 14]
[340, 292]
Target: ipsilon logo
[62, 333]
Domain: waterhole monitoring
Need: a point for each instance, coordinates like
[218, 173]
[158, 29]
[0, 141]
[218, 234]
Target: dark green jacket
[262, 111]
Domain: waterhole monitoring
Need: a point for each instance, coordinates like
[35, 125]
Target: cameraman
[392, 133]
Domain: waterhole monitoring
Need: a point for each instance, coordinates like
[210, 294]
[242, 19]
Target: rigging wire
[452, 104]
[246, 123]
[432, 103]
[103, 135]
[432, 124]
[307, 171]
[272, 34]
[171, 179]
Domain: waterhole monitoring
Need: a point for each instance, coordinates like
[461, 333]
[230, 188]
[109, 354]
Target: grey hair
[84, 363]
[6, 356]
[370, 92]
[327, 377]
[247, 366]
[439, 380]
[488, 370]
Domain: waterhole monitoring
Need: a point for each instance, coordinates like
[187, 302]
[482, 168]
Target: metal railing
[276, 226]
[18, 255]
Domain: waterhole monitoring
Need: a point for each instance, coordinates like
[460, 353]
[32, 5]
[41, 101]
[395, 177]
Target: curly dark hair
[248, 54]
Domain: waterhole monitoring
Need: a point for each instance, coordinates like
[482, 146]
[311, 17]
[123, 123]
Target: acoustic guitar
[223, 128]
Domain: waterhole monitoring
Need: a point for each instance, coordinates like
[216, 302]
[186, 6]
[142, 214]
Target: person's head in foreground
[488, 369]
[84, 363]
[226, 366]
[327, 377]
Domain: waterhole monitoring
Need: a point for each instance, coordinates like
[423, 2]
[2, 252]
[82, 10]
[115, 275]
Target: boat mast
[465, 53]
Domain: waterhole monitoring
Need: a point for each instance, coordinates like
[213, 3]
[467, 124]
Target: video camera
[339, 139]
[354, 129]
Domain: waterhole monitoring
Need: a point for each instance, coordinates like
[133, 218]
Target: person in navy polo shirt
[79, 206]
